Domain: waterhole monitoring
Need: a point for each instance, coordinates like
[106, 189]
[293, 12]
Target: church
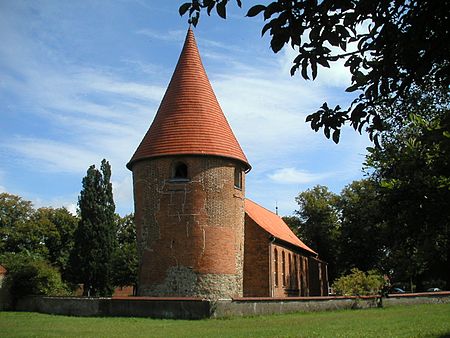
[197, 234]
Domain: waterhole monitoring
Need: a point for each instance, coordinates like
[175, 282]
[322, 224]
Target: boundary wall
[196, 308]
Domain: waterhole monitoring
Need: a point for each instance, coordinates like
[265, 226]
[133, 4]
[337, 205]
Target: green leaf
[336, 135]
[323, 62]
[221, 9]
[313, 68]
[315, 32]
[255, 10]
[293, 69]
[277, 43]
[352, 88]
[326, 131]
[194, 20]
[305, 69]
[274, 7]
[210, 7]
[184, 8]
[266, 27]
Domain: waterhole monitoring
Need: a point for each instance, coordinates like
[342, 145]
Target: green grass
[401, 321]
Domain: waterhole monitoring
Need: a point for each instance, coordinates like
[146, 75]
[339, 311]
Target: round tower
[189, 180]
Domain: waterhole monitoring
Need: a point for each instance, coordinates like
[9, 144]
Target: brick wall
[190, 233]
[290, 272]
[318, 279]
[256, 260]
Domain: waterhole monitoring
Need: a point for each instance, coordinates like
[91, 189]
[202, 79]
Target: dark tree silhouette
[388, 47]
[95, 241]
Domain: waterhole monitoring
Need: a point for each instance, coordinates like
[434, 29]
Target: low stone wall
[174, 308]
[268, 306]
[195, 308]
[417, 298]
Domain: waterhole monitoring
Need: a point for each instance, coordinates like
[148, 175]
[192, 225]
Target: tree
[412, 169]
[30, 274]
[125, 258]
[362, 227]
[319, 227]
[60, 227]
[95, 243]
[388, 47]
[17, 230]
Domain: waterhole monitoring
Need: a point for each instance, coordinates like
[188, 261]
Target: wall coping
[198, 308]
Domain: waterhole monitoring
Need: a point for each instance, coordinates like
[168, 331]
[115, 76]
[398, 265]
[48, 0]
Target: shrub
[32, 275]
[359, 283]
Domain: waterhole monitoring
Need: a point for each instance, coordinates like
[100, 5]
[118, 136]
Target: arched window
[238, 178]
[180, 171]
[283, 268]
[275, 263]
[295, 272]
[289, 276]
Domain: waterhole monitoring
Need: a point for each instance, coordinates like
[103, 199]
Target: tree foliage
[398, 219]
[412, 169]
[125, 258]
[358, 283]
[31, 275]
[17, 232]
[47, 232]
[388, 47]
[362, 227]
[319, 224]
[60, 226]
[95, 241]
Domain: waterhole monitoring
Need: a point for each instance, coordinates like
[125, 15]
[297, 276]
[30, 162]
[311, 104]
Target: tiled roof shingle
[189, 119]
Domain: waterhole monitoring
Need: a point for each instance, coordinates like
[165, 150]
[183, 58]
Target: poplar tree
[95, 236]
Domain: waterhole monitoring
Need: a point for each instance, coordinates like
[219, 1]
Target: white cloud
[293, 175]
[2, 187]
[57, 202]
[123, 190]
[170, 36]
[53, 156]
[72, 207]
[91, 81]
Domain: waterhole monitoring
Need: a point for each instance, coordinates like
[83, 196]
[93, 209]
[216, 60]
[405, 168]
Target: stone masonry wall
[190, 232]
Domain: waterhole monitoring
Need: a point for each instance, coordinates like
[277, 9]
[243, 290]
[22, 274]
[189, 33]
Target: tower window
[180, 172]
[238, 178]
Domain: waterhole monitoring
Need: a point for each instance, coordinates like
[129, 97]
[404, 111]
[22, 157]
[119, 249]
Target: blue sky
[81, 81]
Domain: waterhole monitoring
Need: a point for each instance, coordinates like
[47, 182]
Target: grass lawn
[401, 321]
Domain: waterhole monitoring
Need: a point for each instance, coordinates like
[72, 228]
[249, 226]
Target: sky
[82, 80]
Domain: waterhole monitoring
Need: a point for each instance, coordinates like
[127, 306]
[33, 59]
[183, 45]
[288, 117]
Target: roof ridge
[259, 205]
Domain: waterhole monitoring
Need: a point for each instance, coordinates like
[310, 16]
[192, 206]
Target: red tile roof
[273, 224]
[189, 119]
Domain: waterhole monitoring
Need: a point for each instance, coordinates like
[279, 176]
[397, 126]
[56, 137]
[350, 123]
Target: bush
[32, 275]
[358, 283]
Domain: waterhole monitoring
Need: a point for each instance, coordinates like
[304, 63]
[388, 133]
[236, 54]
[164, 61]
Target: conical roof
[189, 120]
